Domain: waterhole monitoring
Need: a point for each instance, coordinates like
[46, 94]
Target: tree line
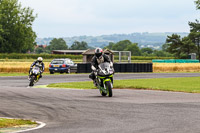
[60, 44]
[124, 45]
[127, 45]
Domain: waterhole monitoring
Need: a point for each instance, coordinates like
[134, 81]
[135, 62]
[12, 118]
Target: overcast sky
[67, 18]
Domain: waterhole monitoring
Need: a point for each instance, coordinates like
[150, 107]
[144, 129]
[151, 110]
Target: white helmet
[39, 59]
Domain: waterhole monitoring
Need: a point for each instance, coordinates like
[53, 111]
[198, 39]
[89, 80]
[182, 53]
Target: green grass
[74, 85]
[6, 123]
[25, 74]
[13, 74]
[189, 84]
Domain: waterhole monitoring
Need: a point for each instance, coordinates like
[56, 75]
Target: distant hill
[153, 40]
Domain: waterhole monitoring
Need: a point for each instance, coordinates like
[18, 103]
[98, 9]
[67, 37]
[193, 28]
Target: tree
[146, 51]
[159, 53]
[180, 47]
[195, 31]
[39, 50]
[188, 46]
[121, 45]
[79, 45]
[1, 29]
[110, 45]
[197, 2]
[194, 26]
[57, 44]
[195, 37]
[173, 44]
[16, 34]
[135, 50]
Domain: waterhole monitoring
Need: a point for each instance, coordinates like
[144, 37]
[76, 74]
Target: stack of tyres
[81, 68]
[138, 67]
[150, 67]
[146, 67]
[119, 67]
[129, 67]
[143, 65]
[116, 67]
[134, 67]
[122, 67]
[88, 69]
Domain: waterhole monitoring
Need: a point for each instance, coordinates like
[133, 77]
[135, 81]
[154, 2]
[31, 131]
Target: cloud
[92, 17]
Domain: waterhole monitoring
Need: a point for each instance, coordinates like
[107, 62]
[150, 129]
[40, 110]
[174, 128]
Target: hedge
[52, 56]
[149, 57]
[34, 56]
[145, 57]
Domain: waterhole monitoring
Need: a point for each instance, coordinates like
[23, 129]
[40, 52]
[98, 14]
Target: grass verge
[74, 85]
[188, 84]
[7, 123]
[13, 74]
[26, 74]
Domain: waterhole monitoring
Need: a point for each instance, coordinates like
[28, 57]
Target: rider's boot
[29, 77]
[95, 83]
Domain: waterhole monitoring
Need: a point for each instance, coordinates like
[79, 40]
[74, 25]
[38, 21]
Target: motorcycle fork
[110, 80]
[37, 77]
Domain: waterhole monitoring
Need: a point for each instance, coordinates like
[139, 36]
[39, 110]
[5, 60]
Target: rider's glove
[30, 69]
[93, 68]
[111, 64]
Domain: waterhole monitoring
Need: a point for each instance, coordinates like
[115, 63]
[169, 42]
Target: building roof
[69, 51]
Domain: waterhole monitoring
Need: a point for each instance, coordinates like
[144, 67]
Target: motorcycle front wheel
[32, 81]
[109, 88]
[102, 93]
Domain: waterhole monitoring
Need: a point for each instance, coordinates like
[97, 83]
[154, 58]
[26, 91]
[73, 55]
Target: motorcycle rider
[97, 59]
[39, 64]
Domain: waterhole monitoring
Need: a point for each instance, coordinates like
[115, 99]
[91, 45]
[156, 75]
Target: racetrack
[85, 111]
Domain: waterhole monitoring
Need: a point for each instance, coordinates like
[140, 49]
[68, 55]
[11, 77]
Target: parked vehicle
[61, 66]
[34, 75]
[104, 79]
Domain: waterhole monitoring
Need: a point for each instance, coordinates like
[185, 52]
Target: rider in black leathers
[98, 58]
[38, 63]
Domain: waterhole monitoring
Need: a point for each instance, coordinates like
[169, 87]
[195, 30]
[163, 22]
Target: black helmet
[98, 52]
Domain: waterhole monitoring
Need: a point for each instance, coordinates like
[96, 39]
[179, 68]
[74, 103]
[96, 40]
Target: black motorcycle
[104, 79]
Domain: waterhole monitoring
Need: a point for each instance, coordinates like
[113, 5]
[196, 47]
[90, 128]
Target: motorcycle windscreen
[104, 65]
[36, 70]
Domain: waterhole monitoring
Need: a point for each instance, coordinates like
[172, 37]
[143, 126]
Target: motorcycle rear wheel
[109, 88]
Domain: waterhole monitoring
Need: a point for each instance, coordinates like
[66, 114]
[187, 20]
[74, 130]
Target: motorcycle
[104, 79]
[34, 76]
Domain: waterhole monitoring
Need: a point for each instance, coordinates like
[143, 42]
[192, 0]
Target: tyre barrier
[119, 67]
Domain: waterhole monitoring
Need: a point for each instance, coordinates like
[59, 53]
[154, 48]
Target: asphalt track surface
[85, 111]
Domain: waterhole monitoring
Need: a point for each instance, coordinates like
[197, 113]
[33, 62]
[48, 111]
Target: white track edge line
[41, 125]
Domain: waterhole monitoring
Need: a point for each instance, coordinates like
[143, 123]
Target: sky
[68, 18]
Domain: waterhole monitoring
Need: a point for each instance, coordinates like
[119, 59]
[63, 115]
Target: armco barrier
[119, 67]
